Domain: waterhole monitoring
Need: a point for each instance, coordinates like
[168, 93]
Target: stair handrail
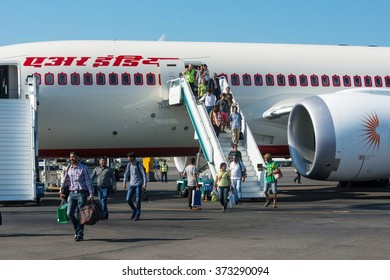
[202, 125]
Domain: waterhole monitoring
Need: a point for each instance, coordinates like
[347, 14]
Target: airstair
[215, 150]
[18, 146]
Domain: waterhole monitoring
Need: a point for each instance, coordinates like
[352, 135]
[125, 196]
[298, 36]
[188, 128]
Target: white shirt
[209, 100]
[236, 169]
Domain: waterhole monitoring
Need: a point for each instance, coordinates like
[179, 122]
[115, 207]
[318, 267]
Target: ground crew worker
[164, 172]
[189, 75]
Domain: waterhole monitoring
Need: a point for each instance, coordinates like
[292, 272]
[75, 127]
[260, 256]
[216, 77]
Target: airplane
[325, 106]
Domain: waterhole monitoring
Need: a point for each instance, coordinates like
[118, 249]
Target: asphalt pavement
[313, 221]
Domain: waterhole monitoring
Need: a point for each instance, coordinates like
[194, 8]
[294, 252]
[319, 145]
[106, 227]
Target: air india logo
[370, 124]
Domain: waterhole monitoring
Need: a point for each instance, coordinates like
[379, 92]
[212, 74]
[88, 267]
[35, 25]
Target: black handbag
[91, 213]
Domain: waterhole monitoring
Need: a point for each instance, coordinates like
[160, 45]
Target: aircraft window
[38, 77]
[281, 80]
[357, 80]
[225, 76]
[269, 80]
[325, 80]
[367, 81]
[258, 80]
[292, 80]
[62, 79]
[150, 79]
[314, 81]
[347, 81]
[75, 79]
[235, 80]
[378, 81]
[88, 80]
[246, 80]
[49, 79]
[303, 81]
[336, 80]
[126, 81]
[100, 79]
[387, 81]
[138, 79]
[113, 79]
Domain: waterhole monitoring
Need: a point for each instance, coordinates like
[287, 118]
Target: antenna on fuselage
[162, 37]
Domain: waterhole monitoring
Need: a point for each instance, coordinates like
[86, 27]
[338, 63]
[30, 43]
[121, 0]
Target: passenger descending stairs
[216, 149]
[17, 150]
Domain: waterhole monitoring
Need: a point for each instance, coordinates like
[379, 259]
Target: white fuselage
[113, 117]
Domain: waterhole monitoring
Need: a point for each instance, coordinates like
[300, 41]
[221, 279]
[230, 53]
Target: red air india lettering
[100, 61]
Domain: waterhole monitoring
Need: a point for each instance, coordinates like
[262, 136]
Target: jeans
[164, 175]
[76, 202]
[236, 186]
[223, 195]
[190, 189]
[138, 197]
[103, 195]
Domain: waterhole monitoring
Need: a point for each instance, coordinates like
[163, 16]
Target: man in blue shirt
[136, 176]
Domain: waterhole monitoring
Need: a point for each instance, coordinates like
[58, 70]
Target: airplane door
[169, 70]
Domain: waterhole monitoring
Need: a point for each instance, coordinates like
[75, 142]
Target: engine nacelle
[342, 136]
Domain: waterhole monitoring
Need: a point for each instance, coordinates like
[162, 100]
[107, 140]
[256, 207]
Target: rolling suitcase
[196, 198]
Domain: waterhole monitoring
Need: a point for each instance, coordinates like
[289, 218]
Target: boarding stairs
[215, 150]
[18, 146]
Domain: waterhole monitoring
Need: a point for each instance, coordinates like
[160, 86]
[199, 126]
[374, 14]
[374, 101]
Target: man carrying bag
[80, 186]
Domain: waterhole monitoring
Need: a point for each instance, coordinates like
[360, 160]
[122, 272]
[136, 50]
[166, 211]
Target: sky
[330, 22]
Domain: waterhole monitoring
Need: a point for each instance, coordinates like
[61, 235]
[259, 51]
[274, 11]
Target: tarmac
[313, 221]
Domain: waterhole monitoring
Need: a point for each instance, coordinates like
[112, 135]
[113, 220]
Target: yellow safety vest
[164, 168]
[190, 75]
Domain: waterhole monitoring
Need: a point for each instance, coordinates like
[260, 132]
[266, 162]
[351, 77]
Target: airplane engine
[180, 163]
[342, 136]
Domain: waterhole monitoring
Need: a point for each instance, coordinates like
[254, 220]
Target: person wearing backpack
[270, 181]
[136, 177]
[237, 176]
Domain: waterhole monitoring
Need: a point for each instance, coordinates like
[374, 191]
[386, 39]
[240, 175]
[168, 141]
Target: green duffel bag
[62, 216]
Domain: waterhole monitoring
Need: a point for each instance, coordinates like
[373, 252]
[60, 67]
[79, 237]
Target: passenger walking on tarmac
[298, 177]
[216, 119]
[209, 101]
[189, 75]
[164, 172]
[270, 181]
[237, 175]
[233, 152]
[235, 123]
[191, 173]
[136, 176]
[222, 182]
[77, 178]
[105, 182]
